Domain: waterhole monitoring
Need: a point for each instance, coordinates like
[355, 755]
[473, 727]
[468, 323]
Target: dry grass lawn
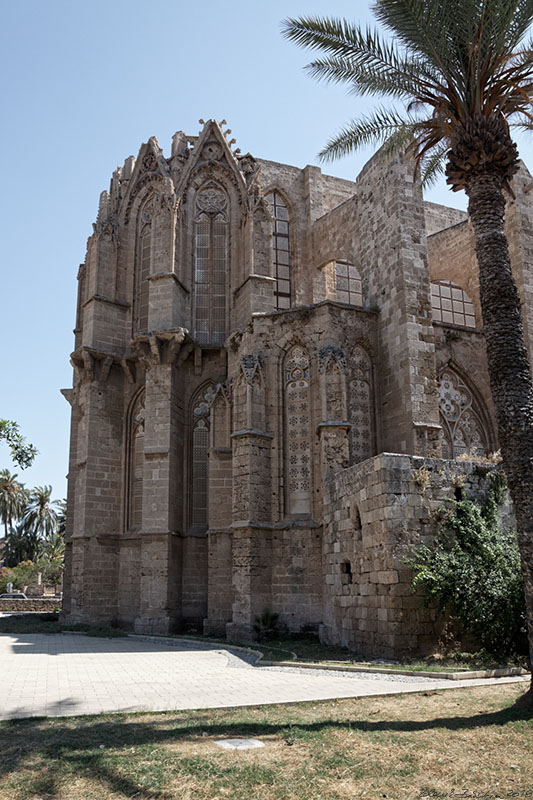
[458, 743]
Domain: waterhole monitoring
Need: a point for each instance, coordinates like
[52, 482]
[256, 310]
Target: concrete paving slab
[69, 675]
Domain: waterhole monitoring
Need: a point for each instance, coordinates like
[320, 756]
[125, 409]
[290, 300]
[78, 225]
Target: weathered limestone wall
[451, 257]
[374, 513]
[438, 217]
[394, 270]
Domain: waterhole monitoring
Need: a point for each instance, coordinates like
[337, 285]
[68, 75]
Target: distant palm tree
[22, 544]
[13, 499]
[40, 513]
[462, 71]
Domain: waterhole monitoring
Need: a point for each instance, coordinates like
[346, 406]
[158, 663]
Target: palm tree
[463, 74]
[40, 514]
[13, 498]
[22, 544]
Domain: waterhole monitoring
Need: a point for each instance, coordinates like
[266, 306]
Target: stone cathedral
[275, 372]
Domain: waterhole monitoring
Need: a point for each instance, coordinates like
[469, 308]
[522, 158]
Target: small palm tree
[40, 513]
[13, 499]
[463, 74]
[22, 544]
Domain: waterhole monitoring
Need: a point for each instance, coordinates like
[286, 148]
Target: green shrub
[473, 570]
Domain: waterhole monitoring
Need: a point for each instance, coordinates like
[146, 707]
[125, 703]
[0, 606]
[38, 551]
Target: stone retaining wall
[31, 604]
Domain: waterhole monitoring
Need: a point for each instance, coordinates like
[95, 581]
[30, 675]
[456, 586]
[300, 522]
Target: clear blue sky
[85, 82]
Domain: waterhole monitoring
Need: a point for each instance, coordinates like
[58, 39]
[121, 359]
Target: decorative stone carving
[251, 366]
[462, 429]
[330, 353]
[159, 348]
[204, 402]
[211, 200]
[212, 151]
[149, 162]
[149, 208]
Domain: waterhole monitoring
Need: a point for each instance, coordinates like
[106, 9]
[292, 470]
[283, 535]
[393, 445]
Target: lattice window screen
[297, 426]
[281, 250]
[361, 406]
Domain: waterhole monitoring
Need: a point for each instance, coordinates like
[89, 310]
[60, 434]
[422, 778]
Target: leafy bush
[266, 625]
[473, 570]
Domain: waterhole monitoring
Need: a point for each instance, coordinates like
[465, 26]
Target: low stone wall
[31, 604]
[374, 513]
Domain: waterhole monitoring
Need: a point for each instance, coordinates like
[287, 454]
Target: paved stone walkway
[67, 675]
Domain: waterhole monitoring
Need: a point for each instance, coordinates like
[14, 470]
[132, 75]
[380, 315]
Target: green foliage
[473, 570]
[24, 574]
[266, 625]
[22, 452]
[446, 63]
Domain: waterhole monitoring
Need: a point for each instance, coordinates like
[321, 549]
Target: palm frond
[338, 69]
[432, 166]
[376, 128]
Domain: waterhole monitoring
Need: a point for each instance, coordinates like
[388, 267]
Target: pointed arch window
[297, 431]
[281, 251]
[210, 267]
[199, 472]
[143, 264]
[136, 465]
[450, 303]
[462, 428]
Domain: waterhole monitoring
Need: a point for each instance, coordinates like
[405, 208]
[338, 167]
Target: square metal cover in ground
[239, 744]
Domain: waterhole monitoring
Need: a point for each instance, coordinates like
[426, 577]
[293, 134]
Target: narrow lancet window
[281, 251]
[143, 267]
[199, 452]
[136, 465]
[210, 267]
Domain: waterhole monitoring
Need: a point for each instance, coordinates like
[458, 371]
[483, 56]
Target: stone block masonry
[253, 340]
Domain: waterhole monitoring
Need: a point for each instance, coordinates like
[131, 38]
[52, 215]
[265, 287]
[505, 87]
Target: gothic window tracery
[210, 266]
[361, 405]
[199, 473]
[450, 303]
[462, 428]
[136, 465]
[348, 284]
[297, 427]
[281, 251]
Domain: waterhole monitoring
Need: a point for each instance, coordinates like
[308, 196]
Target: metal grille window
[451, 304]
[348, 284]
[281, 250]
[210, 268]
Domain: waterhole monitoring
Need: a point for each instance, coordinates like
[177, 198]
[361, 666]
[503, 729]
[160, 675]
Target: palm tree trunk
[509, 369]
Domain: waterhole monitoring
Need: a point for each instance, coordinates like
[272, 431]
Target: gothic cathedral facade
[265, 359]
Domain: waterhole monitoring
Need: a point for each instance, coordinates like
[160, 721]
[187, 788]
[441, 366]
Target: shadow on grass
[94, 747]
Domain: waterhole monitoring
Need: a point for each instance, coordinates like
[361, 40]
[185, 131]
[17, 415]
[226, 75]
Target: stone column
[252, 520]
[160, 590]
